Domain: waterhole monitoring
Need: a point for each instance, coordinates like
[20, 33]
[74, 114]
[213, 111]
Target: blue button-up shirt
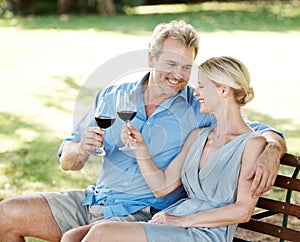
[121, 185]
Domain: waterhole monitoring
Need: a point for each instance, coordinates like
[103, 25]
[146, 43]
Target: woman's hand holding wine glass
[126, 110]
[134, 136]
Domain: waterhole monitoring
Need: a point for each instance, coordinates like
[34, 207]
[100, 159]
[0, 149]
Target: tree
[106, 7]
[62, 6]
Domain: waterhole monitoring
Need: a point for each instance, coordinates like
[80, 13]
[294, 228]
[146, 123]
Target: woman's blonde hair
[230, 72]
[176, 30]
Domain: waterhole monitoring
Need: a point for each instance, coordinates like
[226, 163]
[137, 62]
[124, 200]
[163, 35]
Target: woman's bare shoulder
[192, 137]
[255, 145]
[257, 140]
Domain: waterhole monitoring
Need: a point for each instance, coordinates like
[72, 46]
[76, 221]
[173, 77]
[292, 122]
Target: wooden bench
[268, 207]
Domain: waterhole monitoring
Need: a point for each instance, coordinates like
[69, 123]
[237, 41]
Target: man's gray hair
[177, 30]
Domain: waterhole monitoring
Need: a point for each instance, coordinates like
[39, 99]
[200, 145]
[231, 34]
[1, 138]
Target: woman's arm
[265, 168]
[160, 182]
[238, 212]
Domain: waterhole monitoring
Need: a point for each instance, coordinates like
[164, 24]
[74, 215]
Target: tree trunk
[106, 7]
[63, 6]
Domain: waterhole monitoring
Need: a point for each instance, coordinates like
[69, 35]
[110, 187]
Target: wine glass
[126, 110]
[105, 116]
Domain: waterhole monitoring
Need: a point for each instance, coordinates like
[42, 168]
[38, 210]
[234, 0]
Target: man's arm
[71, 157]
[75, 154]
[266, 167]
[86, 136]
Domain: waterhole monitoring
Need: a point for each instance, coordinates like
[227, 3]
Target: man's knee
[8, 210]
[8, 215]
[17, 210]
[27, 215]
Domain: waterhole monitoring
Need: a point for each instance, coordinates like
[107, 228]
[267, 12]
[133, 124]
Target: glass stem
[128, 126]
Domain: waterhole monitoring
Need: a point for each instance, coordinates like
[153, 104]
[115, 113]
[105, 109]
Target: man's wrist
[82, 156]
[274, 147]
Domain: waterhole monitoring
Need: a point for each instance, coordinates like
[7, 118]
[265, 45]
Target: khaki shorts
[69, 213]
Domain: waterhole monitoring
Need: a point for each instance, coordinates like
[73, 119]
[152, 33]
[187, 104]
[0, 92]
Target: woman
[212, 166]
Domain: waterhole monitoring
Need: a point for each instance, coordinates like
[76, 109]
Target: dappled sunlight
[33, 167]
[275, 8]
[162, 8]
[14, 131]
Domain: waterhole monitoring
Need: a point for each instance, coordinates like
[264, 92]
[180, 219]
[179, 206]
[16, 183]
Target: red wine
[105, 121]
[127, 115]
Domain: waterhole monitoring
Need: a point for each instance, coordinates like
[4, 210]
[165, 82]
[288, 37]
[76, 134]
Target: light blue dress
[215, 185]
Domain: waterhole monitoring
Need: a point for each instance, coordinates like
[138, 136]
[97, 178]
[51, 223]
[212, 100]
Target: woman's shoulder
[195, 133]
[257, 140]
[255, 145]
[192, 137]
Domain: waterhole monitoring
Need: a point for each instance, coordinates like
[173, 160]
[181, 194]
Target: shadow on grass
[282, 17]
[62, 94]
[33, 165]
[10, 123]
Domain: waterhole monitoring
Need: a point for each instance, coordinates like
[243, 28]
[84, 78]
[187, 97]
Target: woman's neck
[230, 122]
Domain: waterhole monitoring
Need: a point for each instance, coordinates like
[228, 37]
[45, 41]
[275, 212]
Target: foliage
[205, 17]
[51, 7]
[46, 7]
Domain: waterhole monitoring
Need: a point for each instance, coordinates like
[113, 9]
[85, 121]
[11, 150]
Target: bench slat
[278, 206]
[287, 183]
[290, 160]
[271, 229]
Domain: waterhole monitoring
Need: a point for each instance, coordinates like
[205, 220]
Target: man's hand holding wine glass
[91, 138]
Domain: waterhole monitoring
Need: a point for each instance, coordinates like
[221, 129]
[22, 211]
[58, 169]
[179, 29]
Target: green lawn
[45, 60]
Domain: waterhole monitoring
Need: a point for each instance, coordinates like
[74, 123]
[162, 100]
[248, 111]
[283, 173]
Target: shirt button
[148, 123]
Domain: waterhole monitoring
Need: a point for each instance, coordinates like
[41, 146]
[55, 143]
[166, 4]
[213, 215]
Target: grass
[46, 60]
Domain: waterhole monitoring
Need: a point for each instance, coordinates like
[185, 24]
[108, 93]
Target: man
[167, 113]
